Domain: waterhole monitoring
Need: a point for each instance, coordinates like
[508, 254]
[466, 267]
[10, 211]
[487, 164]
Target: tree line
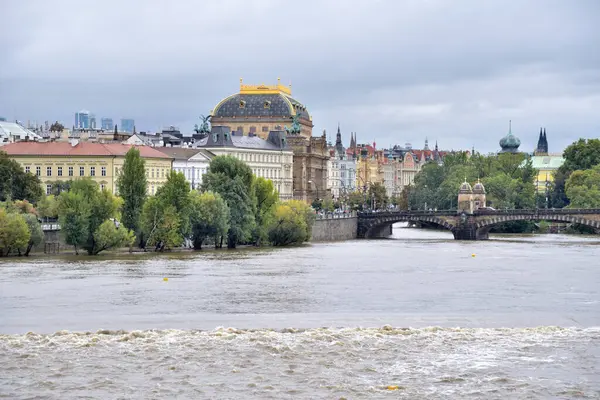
[233, 207]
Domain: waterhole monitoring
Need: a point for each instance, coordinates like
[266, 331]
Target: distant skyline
[391, 71]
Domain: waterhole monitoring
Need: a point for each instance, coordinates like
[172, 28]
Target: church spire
[339, 146]
[426, 144]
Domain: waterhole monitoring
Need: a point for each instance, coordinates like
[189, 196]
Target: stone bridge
[474, 226]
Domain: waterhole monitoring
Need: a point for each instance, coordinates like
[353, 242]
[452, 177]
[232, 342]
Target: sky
[394, 72]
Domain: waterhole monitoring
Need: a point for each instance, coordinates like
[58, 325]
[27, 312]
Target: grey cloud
[391, 71]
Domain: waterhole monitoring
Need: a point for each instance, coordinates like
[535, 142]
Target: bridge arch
[381, 226]
[488, 223]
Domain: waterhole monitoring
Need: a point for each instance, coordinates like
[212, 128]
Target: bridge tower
[470, 199]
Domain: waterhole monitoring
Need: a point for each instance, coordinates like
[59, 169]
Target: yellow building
[546, 166]
[369, 167]
[63, 161]
[260, 109]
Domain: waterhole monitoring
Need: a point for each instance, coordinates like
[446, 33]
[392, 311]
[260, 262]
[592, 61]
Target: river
[415, 316]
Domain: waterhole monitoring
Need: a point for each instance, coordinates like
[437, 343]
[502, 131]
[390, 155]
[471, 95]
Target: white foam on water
[304, 363]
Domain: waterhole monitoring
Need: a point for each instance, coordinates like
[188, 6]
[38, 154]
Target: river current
[415, 316]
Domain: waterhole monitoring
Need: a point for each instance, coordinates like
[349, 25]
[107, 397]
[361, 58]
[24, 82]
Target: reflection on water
[417, 278]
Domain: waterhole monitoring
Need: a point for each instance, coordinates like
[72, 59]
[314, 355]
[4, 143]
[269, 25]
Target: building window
[92, 171]
[38, 171]
[81, 171]
[162, 172]
[59, 172]
[70, 171]
[27, 169]
[242, 104]
[240, 130]
[267, 104]
[102, 186]
[252, 129]
[153, 172]
[265, 129]
[48, 189]
[103, 171]
[152, 189]
[48, 171]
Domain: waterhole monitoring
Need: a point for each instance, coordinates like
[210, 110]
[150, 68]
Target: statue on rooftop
[204, 128]
[295, 129]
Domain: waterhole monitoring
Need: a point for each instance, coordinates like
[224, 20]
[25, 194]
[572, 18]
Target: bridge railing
[533, 211]
[334, 215]
[411, 213]
[538, 211]
[50, 226]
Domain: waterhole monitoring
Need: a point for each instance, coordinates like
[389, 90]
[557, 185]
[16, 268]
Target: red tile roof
[81, 149]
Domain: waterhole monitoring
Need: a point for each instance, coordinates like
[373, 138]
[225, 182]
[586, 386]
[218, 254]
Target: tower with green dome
[510, 143]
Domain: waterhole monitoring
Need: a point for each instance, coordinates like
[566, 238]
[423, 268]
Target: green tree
[160, 222]
[60, 186]
[14, 233]
[209, 218]
[102, 205]
[15, 183]
[378, 194]
[175, 193]
[508, 178]
[403, 199]
[35, 231]
[266, 199]
[292, 223]
[356, 200]
[47, 207]
[132, 186]
[232, 179]
[583, 188]
[109, 235]
[73, 213]
[57, 127]
[580, 155]
[328, 204]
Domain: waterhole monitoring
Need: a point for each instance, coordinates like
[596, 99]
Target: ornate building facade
[310, 167]
[270, 159]
[260, 109]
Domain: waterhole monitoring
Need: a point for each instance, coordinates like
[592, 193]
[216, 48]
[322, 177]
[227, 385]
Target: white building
[11, 132]
[270, 159]
[333, 175]
[389, 178]
[193, 163]
[343, 169]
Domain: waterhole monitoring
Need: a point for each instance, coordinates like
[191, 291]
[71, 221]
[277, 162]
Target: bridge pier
[381, 231]
[470, 232]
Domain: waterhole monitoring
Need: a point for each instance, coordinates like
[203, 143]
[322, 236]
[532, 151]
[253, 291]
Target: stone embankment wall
[332, 227]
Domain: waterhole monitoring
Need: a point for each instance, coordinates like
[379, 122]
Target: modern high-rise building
[93, 121]
[107, 124]
[127, 125]
[82, 119]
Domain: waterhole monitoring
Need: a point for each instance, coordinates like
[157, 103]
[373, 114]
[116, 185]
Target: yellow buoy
[165, 279]
[473, 255]
[392, 387]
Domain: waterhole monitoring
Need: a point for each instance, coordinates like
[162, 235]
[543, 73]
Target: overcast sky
[393, 71]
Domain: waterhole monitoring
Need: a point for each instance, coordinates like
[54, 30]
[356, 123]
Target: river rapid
[415, 316]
